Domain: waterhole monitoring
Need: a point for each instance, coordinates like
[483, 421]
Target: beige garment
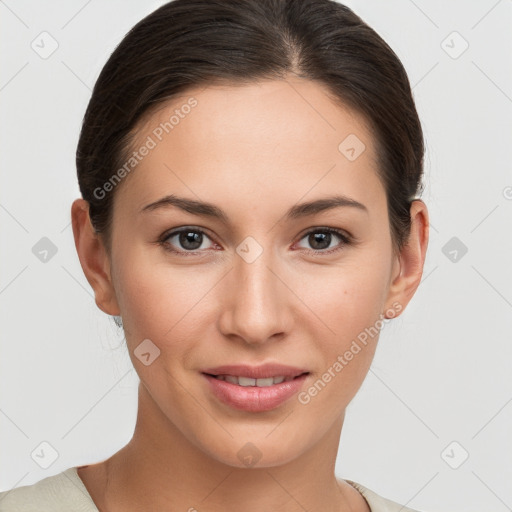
[65, 492]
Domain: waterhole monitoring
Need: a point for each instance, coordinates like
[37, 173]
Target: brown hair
[190, 43]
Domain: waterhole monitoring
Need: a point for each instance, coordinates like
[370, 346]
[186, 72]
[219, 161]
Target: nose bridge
[256, 303]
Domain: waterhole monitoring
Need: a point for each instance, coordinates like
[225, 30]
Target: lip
[254, 398]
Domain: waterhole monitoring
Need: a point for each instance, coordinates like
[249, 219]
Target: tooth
[246, 381]
[262, 383]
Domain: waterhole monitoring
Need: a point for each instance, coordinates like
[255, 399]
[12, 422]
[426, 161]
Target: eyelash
[346, 240]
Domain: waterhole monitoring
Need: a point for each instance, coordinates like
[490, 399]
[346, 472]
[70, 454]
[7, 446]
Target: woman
[249, 174]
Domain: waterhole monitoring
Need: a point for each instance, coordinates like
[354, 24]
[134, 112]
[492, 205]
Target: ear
[409, 263]
[93, 258]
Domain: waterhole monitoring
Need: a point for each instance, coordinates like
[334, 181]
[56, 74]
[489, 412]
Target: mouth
[254, 389]
[260, 383]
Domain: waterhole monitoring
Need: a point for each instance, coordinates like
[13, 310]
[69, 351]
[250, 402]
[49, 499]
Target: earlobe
[93, 258]
[411, 259]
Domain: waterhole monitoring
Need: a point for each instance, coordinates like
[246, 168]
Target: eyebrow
[204, 209]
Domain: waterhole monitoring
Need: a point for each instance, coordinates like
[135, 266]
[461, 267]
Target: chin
[261, 451]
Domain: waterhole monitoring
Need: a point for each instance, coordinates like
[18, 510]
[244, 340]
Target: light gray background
[442, 370]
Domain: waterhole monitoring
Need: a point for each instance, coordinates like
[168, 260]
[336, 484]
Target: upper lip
[263, 371]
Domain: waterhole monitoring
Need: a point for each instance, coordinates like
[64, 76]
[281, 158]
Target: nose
[256, 303]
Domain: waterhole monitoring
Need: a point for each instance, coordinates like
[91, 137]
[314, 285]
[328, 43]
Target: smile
[247, 381]
[254, 394]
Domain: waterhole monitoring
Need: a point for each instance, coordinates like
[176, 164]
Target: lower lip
[254, 398]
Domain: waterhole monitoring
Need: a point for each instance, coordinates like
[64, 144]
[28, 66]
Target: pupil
[320, 237]
[190, 237]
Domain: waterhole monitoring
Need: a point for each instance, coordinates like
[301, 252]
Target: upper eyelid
[172, 232]
[340, 231]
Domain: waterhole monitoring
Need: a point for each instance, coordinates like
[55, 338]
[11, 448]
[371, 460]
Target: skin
[254, 151]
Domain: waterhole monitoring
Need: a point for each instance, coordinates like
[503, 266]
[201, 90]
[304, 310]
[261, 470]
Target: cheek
[353, 314]
[161, 302]
[350, 304]
[149, 296]
[347, 298]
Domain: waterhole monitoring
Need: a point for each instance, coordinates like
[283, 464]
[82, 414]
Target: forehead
[286, 137]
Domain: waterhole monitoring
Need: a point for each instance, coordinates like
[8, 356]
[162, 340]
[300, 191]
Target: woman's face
[253, 286]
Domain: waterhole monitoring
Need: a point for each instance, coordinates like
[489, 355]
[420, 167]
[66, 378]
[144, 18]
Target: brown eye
[185, 240]
[320, 240]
